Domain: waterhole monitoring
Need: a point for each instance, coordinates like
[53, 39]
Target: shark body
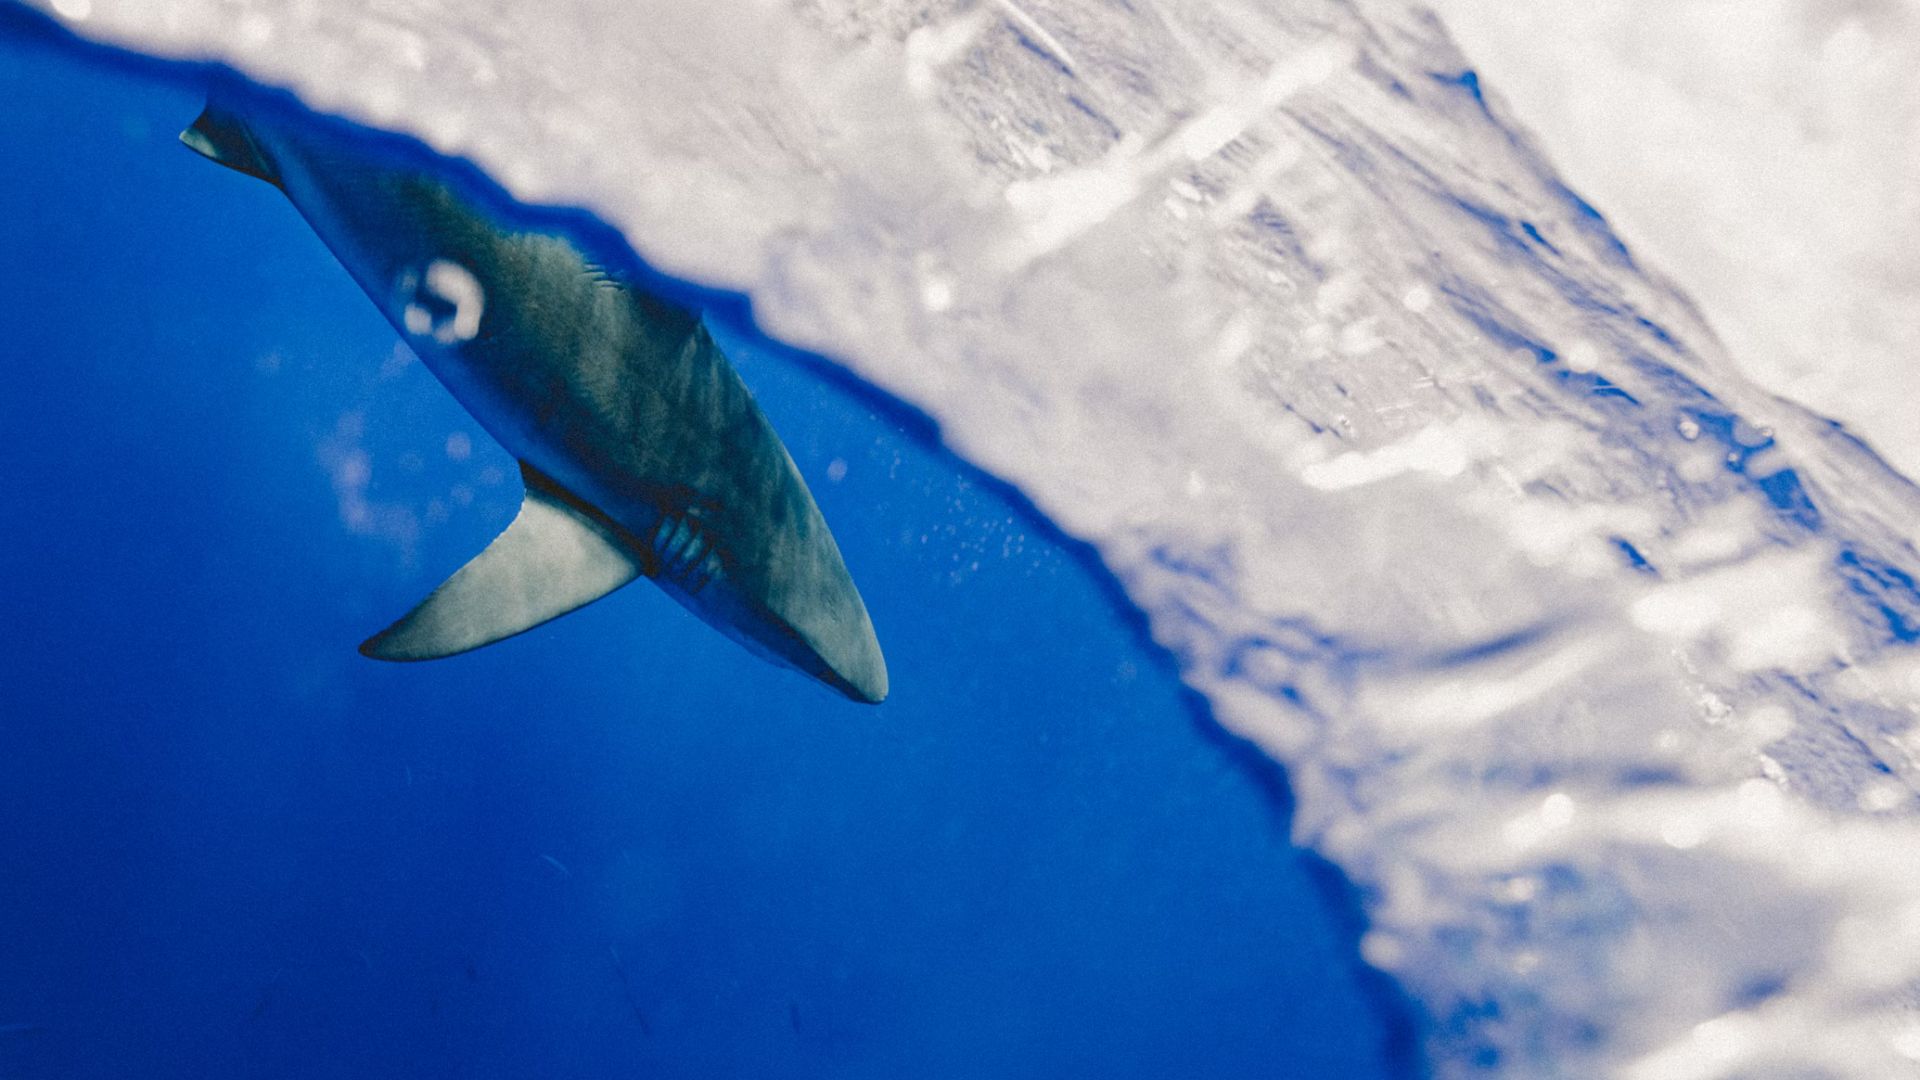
[643, 453]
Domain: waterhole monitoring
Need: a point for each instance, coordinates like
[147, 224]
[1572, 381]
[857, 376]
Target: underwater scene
[620, 845]
[1178, 545]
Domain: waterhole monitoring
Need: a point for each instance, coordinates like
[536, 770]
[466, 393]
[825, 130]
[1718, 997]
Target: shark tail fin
[555, 557]
[222, 138]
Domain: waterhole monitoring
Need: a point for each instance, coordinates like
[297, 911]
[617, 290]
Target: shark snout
[864, 668]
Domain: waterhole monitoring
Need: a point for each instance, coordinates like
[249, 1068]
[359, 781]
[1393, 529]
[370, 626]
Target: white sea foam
[1584, 657]
[1766, 153]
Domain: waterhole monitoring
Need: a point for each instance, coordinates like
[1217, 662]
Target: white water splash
[1765, 152]
[1589, 663]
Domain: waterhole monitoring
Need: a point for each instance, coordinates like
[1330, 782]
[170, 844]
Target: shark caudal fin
[552, 559]
[221, 138]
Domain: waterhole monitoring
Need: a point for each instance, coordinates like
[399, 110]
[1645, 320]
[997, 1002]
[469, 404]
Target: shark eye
[445, 303]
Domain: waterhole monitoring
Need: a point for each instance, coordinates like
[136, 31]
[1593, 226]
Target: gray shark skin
[643, 453]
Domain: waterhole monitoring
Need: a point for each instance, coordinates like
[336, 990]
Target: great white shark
[642, 452]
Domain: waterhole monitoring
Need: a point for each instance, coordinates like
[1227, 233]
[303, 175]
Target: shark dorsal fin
[554, 558]
[223, 139]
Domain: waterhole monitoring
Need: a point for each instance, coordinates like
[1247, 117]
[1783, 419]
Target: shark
[642, 452]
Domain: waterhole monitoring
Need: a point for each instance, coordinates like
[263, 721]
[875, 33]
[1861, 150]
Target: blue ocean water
[618, 845]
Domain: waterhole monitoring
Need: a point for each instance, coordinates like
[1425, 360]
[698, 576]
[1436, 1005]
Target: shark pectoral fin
[222, 139]
[552, 559]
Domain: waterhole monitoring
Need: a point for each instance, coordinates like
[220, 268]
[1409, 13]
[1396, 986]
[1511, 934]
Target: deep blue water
[617, 846]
